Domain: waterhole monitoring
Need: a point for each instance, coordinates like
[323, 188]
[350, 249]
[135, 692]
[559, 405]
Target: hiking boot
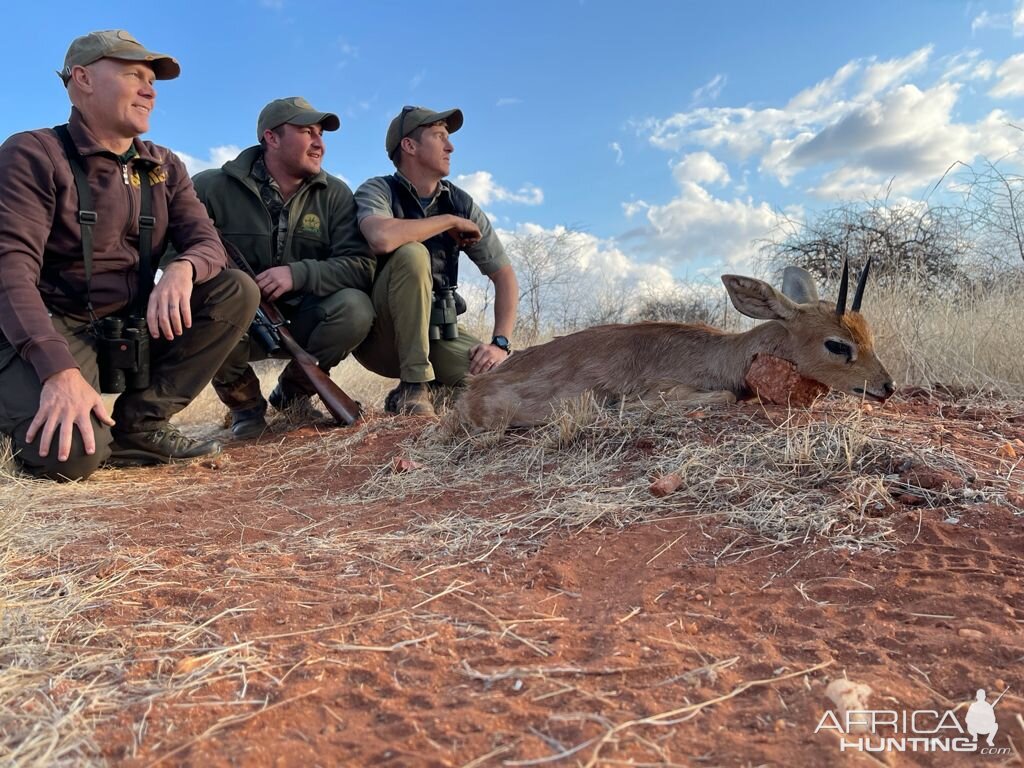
[296, 406]
[248, 422]
[164, 445]
[410, 398]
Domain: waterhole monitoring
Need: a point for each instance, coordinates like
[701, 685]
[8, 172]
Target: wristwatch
[503, 344]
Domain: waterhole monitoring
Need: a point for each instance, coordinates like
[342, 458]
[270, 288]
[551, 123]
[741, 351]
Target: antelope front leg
[684, 395]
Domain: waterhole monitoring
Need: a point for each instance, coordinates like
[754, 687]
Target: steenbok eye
[839, 348]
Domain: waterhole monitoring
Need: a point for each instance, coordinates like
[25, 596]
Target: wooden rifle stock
[343, 408]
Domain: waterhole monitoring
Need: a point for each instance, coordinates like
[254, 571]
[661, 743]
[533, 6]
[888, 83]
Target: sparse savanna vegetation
[402, 593]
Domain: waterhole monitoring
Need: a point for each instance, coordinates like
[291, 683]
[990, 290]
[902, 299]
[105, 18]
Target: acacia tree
[904, 241]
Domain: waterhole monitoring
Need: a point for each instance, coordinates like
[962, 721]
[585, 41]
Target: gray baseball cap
[411, 118]
[116, 44]
[297, 111]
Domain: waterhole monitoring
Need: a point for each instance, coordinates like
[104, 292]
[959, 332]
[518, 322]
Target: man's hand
[484, 357]
[275, 282]
[65, 402]
[465, 232]
[170, 309]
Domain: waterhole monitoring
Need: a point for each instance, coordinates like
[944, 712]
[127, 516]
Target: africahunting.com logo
[919, 730]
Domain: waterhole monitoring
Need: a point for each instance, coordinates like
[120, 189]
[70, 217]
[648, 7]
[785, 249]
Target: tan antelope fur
[686, 363]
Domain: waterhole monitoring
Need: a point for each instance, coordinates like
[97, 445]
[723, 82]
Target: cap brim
[164, 67]
[452, 118]
[328, 120]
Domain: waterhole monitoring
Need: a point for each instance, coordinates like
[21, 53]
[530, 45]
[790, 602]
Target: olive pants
[399, 345]
[328, 327]
[222, 309]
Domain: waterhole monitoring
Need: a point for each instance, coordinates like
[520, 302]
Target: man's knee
[79, 464]
[233, 296]
[412, 259]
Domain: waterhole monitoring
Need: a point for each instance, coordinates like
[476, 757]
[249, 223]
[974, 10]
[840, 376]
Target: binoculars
[444, 321]
[122, 353]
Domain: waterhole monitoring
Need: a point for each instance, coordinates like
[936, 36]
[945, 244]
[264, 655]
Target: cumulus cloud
[876, 119]
[217, 156]
[696, 227]
[485, 190]
[701, 168]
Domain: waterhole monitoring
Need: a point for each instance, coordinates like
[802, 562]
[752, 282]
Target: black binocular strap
[87, 219]
[86, 216]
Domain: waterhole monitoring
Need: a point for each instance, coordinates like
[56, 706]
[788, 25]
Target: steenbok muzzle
[687, 363]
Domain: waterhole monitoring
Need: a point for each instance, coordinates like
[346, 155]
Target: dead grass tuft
[828, 472]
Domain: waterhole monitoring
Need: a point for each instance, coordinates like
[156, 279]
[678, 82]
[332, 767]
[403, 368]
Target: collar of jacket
[241, 169]
[87, 144]
[442, 187]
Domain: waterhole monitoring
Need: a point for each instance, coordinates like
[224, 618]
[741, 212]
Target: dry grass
[827, 473]
[976, 341]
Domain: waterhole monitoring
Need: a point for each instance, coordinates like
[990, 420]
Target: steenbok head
[825, 342]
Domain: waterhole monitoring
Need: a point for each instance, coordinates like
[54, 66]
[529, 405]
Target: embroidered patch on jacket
[157, 175]
[311, 224]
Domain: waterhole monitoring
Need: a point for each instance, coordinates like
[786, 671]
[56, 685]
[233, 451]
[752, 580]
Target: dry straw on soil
[827, 473]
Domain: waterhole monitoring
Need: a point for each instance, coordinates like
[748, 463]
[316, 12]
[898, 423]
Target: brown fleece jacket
[40, 234]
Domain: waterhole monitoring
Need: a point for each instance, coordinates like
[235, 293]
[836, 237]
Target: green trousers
[399, 345]
[328, 327]
[222, 309]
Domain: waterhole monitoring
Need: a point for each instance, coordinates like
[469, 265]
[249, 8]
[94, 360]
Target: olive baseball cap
[116, 44]
[297, 111]
[411, 118]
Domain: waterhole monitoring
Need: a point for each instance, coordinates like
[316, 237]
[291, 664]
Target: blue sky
[672, 133]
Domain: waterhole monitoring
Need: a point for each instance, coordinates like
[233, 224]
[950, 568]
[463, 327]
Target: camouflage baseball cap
[297, 111]
[411, 118]
[116, 44]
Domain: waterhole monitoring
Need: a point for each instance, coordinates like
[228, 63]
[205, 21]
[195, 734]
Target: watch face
[501, 342]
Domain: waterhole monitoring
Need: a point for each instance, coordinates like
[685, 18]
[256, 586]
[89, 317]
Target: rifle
[271, 328]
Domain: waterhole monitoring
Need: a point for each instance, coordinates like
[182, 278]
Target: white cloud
[485, 190]
[882, 75]
[217, 157]
[1013, 21]
[702, 168]
[507, 101]
[869, 117]
[614, 147]
[711, 89]
[697, 227]
[1011, 78]
[414, 83]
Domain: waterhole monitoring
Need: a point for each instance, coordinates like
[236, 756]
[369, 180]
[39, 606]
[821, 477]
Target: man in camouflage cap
[296, 226]
[76, 243]
[417, 223]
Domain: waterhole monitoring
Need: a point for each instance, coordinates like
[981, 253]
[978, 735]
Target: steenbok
[687, 363]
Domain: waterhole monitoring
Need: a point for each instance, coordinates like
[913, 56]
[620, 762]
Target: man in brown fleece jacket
[53, 295]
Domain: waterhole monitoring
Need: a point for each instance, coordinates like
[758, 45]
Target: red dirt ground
[382, 657]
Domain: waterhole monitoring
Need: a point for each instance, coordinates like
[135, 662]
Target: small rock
[1007, 451]
[780, 725]
[972, 634]
[666, 484]
[910, 499]
[402, 464]
[849, 696]
[775, 380]
[692, 628]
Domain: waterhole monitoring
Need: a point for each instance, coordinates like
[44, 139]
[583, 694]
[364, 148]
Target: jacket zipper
[132, 289]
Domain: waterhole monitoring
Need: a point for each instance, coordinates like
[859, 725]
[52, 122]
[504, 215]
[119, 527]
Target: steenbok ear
[757, 299]
[798, 284]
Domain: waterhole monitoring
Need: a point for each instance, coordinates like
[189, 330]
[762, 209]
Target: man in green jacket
[296, 226]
